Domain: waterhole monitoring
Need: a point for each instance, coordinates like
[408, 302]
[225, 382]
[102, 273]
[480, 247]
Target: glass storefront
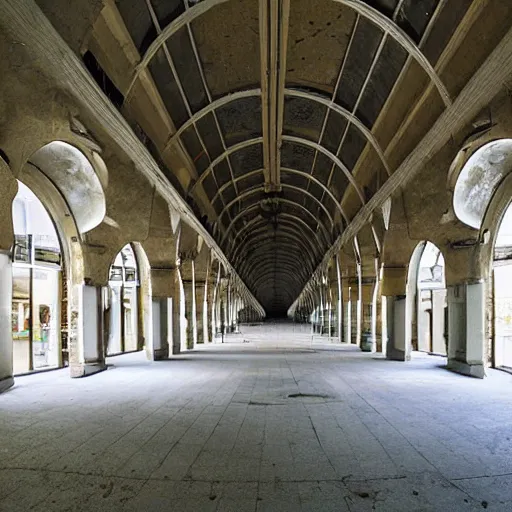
[122, 303]
[36, 302]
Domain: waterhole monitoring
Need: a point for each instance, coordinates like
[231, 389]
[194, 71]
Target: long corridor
[272, 419]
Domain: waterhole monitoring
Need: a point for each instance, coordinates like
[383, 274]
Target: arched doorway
[38, 303]
[431, 302]
[122, 308]
[502, 277]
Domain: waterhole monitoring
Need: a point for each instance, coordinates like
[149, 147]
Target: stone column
[398, 328]
[347, 311]
[201, 312]
[368, 299]
[466, 328]
[6, 349]
[178, 340]
[355, 313]
[163, 288]
[338, 293]
[90, 357]
[189, 289]
[210, 311]
[8, 191]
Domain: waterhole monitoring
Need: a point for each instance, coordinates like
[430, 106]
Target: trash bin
[366, 342]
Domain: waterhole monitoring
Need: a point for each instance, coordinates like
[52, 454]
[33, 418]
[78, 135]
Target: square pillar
[398, 335]
[178, 338]
[6, 349]
[164, 287]
[355, 315]
[201, 313]
[466, 328]
[189, 291]
[90, 356]
[397, 322]
[369, 319]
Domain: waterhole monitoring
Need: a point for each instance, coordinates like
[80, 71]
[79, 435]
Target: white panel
[5, 316]
[90, 322]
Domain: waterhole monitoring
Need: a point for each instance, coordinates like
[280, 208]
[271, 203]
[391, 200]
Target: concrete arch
[75, 177]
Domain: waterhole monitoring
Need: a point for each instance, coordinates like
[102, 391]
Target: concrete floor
[220, 429]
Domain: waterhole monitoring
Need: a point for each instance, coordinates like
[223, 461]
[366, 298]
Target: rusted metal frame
[208, 92]
[256, 189]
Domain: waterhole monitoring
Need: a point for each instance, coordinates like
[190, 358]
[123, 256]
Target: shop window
[37, 286]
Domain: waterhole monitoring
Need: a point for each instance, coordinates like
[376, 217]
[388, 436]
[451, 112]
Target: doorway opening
[39, 301]
[502, 277]
[122, 304]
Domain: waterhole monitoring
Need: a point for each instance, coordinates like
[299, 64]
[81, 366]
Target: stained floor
[271, 420]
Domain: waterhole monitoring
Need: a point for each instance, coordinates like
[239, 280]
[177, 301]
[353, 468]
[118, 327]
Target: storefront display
[36, 298]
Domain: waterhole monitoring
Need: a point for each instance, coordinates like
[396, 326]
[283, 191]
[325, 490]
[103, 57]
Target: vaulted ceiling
[273, 112]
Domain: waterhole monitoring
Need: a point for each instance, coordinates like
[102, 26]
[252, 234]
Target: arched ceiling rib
[255, 190]
[292, 93]
[365, 10]
[274, 137]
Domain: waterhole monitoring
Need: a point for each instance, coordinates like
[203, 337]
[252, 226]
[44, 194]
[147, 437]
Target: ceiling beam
[288, 138]
[292, 93]
[254, 190]
[362, 8]
[245, 211]
[288, 171]
[294, 220]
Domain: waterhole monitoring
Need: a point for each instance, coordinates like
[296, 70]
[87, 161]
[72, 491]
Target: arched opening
[431, 302]
[122, 304]
[425, 307]
[39, 301]
[502, 277]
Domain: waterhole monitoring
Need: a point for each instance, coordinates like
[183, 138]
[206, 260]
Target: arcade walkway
[271, 420]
